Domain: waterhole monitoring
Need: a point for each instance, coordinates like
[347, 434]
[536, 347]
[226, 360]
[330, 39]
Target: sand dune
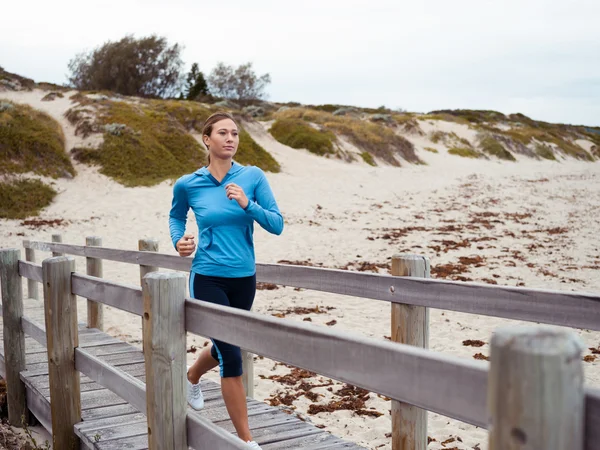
[530, 223]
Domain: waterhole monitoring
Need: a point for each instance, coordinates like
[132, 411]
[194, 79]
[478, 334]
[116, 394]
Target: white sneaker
[254, 445]
[195, 398]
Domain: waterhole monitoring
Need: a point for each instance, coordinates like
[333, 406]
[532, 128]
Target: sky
[540, 58]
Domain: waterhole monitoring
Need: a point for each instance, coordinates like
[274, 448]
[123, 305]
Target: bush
[377, 139]
[23, 198]
[299, 134]
[491, 146]
[368, 158]
[250, 153]
[144, 67]
[464, 152]
[545, 151]
[31, 141]
[153, 147]
[430, 149]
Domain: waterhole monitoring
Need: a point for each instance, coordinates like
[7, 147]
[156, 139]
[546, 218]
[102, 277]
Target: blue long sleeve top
[225, 247]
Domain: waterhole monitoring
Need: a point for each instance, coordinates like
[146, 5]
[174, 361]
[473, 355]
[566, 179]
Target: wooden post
[146, 245]
[535, 389]
[248, 375]
[57, 238]
[32, 285]
[165, 356]
[95, 313]
[14, 338]
[410, 325]
[62, 338]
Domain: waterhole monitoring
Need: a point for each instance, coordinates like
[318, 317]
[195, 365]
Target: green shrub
[368, 158]
[545, 151]
[464, 152]
[491, 146]
[249, 152]
[297, 133]
[437, 136]
[377, 139]
[153, 147]
[31, 141]
[430, 149]
[22, 198]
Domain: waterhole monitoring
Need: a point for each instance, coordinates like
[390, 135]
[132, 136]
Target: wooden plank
[410, 325]
[279, 432]
[110, 254]
[535, 389]
[108, 422]
[592, 418]
[57, 238]
[31, 271]
[34, 329]
[315, 440]
[40, 407]
[119, 382]
[146, 245]
[62, 339]
[450, 386]
[131, 443]
[165, 350]
[572, 309]
[32, 287]
[95, 313]
[578, 310]
[201, 434]
[132, 369]
[118, 295]
[13, 335]
[2, 367]
[107, 411]
[115, 433]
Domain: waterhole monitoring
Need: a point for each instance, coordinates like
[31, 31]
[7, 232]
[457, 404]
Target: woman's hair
[208, 125]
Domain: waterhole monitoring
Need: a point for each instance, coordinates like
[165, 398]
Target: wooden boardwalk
[110, 423]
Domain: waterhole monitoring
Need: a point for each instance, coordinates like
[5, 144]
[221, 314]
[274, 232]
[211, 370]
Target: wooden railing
[411, 376]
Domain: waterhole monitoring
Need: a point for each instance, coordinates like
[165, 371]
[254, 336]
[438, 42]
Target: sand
[530, 223]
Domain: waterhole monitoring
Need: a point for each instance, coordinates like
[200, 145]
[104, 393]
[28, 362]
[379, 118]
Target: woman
[226, 199]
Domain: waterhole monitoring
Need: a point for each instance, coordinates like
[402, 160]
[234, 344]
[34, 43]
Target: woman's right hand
[186, 245]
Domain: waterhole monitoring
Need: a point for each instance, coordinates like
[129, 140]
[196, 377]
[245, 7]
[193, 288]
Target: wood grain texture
[62, 339]
[30, 271]
[535, 389]
[125, 297]
[453, 387]
[572, 309]
[32, 286]
[165, 352]
[13, 335]
[410, 325]
[95, 312]
[34, 329]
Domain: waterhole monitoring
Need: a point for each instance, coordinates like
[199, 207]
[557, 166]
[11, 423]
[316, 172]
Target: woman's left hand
[235, 192]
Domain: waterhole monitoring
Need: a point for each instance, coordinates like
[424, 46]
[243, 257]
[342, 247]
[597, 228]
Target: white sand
[330, 210]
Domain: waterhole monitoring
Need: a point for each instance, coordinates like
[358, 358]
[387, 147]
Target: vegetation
[430, 149]
[466, 152]
[142, 145]
[144, 67]
[379, 140]
[250, 153]
[196, 85]
[240, 83]
[31, 141]
[21, 198]
[368, 158]
[545, 151]
[297, 133]
[491, 146]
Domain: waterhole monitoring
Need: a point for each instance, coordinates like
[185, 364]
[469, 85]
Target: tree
[195, 84]
[239, 83]
[145, 67]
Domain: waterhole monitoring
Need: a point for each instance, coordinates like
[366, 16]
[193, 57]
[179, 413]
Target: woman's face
[224, 139]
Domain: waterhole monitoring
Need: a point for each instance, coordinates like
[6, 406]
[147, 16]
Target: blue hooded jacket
[225, 247]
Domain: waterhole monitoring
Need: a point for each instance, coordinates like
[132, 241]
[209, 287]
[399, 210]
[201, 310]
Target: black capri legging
[235, 292]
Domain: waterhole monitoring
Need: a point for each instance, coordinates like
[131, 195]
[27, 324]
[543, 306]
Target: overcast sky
[537, 57]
